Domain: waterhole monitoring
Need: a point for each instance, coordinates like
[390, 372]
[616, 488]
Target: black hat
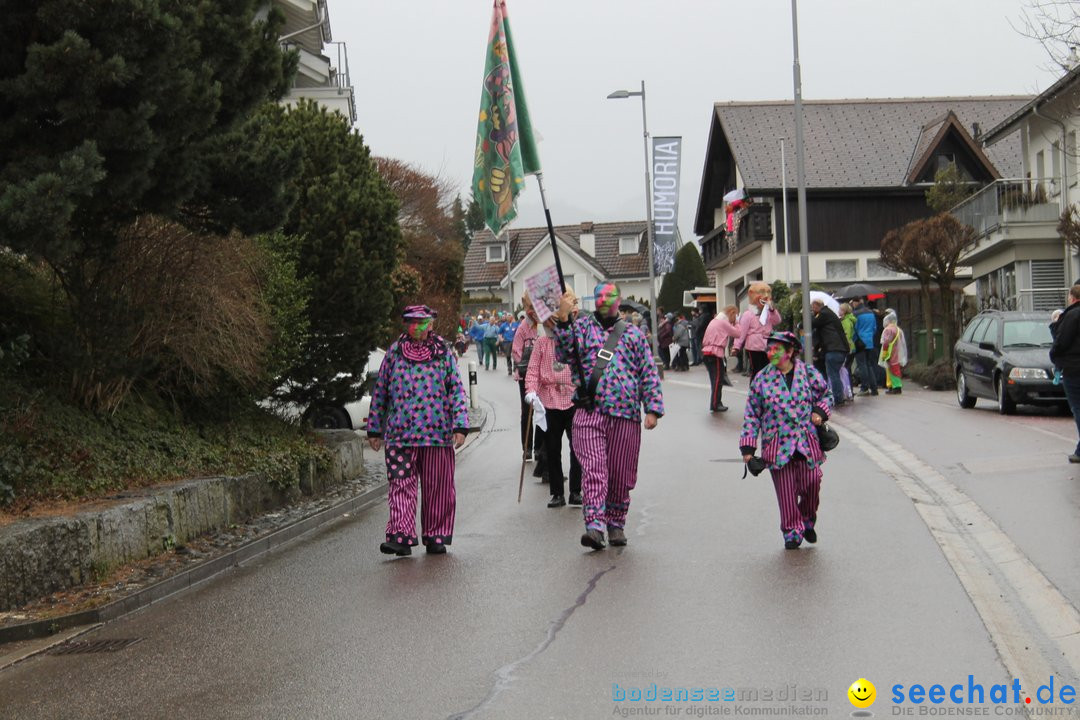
[787, 338]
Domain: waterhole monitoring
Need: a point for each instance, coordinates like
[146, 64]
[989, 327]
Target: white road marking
[1035, 628]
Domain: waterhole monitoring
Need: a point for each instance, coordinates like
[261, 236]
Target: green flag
[505, 149]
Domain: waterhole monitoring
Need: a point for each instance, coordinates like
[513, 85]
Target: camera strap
[605, 355]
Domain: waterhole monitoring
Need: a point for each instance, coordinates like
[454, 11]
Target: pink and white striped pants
[607, 448]
[433, 469]
[798, 487]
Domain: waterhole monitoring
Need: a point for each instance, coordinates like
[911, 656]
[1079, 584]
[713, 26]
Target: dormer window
[496, 253]
[628, 246]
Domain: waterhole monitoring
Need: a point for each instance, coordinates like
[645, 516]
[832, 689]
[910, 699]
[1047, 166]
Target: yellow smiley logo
[862, 693]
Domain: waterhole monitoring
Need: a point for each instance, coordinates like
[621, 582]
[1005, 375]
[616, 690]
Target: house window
[496, 253]
[628, 246]
[570, 282]
[841, 269]
[944, 161]
[874, 269]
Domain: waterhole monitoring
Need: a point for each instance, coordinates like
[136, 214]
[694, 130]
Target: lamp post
[783, 186]
[654, 326]
[800, 171]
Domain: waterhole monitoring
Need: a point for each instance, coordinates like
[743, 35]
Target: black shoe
[810, 535]
[873, 393]
[616, 536]
[720, 408]
[436, 549]
[893, 391]
[556, 501]
[575, 500]
[395, 548]
[593, 539]
[541, 468]
[791, 544]
[728, 383]
[864, 393]
[1074, 458]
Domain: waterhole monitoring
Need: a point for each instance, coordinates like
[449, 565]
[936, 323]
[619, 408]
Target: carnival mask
[418, 329]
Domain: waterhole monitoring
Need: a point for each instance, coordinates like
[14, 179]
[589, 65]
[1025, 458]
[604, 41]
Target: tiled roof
[607, 263]
[853, 143]
[1010, 123]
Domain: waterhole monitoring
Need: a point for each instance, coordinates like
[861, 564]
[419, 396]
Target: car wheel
[330, 418]
[966, 400]
[1006, 405]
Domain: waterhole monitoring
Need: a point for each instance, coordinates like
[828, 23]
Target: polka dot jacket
[779, 416]
[630, 380]
[418, 403]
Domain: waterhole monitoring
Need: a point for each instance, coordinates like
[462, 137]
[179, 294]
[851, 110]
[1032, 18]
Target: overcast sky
[417, 68]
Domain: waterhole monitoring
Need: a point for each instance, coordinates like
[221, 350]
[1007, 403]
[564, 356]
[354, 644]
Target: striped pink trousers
[607, 448]
[432, 468]
[798, 487]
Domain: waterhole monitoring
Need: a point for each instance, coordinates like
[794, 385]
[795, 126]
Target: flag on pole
[505, 148]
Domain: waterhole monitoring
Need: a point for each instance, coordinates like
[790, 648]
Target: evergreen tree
[108, 111]
[687, 273]
[474, 221]
[347, 216]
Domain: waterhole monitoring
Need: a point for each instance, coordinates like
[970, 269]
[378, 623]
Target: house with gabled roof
[1020, 261]
[496, 267]
[868, 164]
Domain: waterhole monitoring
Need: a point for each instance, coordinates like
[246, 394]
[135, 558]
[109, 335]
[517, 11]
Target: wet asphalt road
[519, 621]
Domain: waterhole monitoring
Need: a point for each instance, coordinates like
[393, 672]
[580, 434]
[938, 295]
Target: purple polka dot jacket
[418, 403]
[779, 417]
[630, 380]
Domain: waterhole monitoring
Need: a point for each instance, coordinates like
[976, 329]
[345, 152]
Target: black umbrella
[855, 290]
[638, 308]
[635, 306]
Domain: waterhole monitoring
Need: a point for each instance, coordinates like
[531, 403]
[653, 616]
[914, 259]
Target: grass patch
[51, 450]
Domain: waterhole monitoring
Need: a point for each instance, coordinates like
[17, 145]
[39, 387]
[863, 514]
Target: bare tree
[431, 269]
[1055, 24]
[901, 252]
[945, 240]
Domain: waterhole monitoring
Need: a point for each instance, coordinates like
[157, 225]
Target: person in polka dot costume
[787, 400]
[419, 406]
[607, 434]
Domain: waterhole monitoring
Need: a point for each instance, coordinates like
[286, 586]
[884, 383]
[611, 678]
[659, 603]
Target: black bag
[828, 439]
[859, 344]
[522, 365]
[755, 465]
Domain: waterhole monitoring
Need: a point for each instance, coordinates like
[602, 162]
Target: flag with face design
[505, 148]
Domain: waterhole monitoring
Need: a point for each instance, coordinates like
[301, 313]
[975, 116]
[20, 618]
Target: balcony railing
[1003, 202]
[755, 227]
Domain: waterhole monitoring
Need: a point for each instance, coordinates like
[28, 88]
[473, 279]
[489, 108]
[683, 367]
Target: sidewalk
[186, 561]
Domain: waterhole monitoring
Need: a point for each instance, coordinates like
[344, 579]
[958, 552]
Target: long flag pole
[550, 227]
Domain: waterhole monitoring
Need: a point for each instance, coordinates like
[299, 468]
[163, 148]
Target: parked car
[350, 416]
[1004, 356]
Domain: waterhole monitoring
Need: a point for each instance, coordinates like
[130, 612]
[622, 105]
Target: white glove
[539, 412]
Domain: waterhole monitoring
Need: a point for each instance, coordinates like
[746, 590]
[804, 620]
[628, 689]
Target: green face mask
[776, 354]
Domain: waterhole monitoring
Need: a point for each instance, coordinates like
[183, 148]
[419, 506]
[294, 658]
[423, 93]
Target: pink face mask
[418, 329]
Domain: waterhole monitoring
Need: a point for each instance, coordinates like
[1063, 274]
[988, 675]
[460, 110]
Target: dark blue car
[1004, 356]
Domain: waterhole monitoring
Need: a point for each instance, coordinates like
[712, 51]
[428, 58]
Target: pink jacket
[754, 335]
[717, 334]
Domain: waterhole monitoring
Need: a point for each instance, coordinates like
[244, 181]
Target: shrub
[938, 376]
[176, 311]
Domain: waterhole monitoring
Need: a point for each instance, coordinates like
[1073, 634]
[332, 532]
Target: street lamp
[654, 326]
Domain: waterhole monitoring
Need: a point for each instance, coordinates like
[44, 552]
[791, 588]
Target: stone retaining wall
[43, 555]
